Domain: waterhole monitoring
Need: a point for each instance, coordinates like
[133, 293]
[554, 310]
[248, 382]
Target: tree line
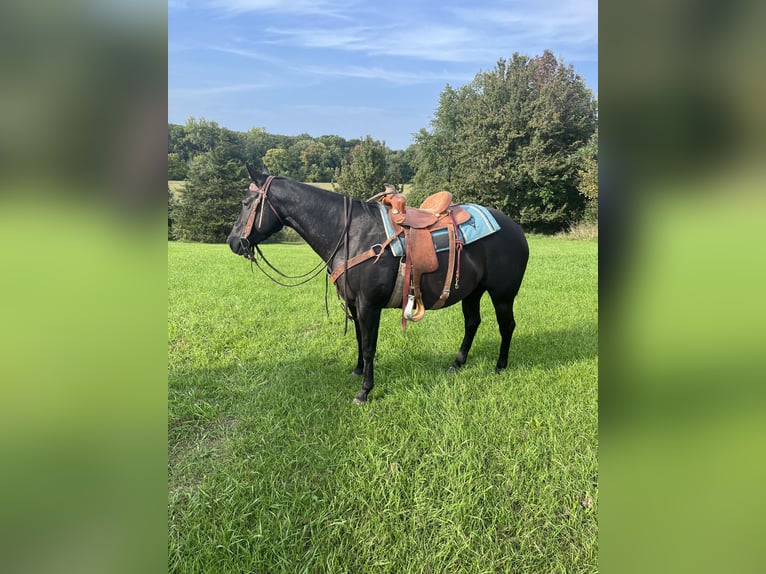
[301, 157]
[521, 137]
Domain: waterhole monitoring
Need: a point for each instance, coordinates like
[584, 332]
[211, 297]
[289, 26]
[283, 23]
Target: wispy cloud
[353, 38]
[463, 43]
[387, 75]
[428, 42]
[338, 111]
[245, 53]
[213, 90]
[334, 8]
[565, 23]
[457, 34]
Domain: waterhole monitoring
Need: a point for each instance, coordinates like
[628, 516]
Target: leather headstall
[259, 200]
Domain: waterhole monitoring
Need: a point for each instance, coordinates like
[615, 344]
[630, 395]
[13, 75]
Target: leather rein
[263, 199]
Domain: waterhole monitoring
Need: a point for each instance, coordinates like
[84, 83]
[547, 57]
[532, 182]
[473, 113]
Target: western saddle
[416, 224]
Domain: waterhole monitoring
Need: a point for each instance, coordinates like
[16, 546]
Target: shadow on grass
[313, 373]
[546, 349]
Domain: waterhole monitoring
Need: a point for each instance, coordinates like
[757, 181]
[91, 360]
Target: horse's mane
[370, 208]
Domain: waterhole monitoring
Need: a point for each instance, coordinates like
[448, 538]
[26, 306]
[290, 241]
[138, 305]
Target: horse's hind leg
[472, 320]
[507, 324]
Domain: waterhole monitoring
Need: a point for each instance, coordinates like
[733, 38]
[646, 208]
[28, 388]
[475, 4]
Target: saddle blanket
[480, 225]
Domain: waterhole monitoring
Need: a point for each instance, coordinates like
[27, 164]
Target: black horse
[337, 229]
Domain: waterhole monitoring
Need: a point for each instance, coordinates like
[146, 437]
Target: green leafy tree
[200, 136]
[296, 168]
[232, 144]
[364, 174]
[510, 140]
[588, 174]
[171, 207]
[400, 166]
[312, 161]
[177, 168]
[176, 141]
[277, 161]
[210, 203]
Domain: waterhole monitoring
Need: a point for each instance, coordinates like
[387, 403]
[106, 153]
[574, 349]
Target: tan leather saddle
[416, 224]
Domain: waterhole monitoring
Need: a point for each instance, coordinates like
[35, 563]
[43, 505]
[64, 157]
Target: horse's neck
[317, 216]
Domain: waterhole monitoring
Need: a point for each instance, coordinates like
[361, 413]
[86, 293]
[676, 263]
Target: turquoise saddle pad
[480, 225]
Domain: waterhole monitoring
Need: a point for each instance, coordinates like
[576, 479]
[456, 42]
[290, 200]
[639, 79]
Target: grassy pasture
[272, 469]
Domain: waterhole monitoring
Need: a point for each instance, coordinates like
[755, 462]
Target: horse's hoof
[453, 368]
[360, 399]
[357, 372]
[499, 370]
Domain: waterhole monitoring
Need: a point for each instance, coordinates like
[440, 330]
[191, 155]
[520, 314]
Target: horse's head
[258, 219]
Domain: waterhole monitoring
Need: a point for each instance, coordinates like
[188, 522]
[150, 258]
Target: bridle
[261, 198]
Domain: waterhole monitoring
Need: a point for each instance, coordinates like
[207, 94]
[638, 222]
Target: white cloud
[336, 8]
[563, 23]
[387, 75]
[212, 90]
[252, 54]
[339, 111]
[460, 34]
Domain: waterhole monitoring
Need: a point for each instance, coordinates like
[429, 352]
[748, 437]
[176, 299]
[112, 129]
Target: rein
[263, 199]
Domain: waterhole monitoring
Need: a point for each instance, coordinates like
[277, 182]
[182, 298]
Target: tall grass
[272, 469]
[581, 230]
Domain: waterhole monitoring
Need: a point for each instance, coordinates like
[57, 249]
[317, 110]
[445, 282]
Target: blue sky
[352, 67]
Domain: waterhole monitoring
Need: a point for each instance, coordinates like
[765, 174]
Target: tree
[400, 166]
[210, 203]
[200, 136]
[365, 173]
[176, 141]
[277, 161]
[296, 168]
[510, 140]
[588, 174]
[177, 168]
[312, 158]
[171, 208]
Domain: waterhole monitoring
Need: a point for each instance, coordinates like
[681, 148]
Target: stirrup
[414, 310]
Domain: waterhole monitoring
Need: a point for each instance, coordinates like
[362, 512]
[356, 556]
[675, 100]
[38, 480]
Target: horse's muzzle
[237, 244]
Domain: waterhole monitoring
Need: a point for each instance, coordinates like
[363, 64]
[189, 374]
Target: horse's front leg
[369, 322]
[359, 369]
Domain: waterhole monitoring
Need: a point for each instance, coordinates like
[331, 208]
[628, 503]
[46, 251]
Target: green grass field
[273, 469]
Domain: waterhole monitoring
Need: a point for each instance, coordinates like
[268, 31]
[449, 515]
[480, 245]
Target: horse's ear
[251, 171]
